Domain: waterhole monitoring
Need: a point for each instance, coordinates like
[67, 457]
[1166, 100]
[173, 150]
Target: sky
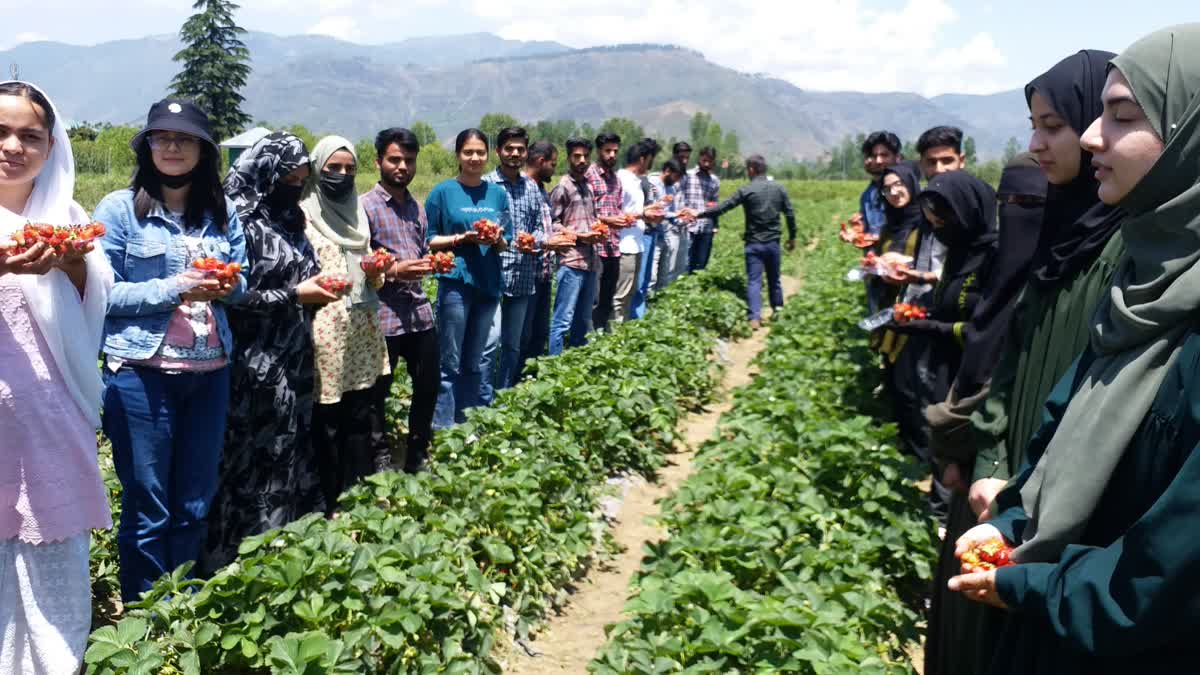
[925, 46]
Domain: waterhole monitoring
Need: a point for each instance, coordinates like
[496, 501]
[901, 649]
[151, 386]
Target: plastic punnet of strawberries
[336, 284]
[218, 269]
[988, 555]
[489, 232]
[64, 240]
[903, 312]
[526, 242]
[377, 260]
[442, 262]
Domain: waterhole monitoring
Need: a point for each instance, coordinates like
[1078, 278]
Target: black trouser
[910, 396]
[610, 271]
[347, 437]
[422, 360]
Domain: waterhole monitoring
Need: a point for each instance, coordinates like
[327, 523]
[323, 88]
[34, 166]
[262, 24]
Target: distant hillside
[450, 82]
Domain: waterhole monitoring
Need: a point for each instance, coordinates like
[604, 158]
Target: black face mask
[336, 186]
[174, 182]
[284, 196]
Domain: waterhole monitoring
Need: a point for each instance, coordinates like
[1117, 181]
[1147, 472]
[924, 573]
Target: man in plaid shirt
[607, 195]
[572, 213]
[701, 191]
[397, 223]
[520, 266]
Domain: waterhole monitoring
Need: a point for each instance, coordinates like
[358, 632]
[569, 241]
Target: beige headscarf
[343, 222]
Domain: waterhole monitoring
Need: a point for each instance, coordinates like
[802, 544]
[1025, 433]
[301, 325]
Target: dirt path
[568, 642]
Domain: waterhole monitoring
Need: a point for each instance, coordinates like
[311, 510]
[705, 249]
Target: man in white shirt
[633, 204]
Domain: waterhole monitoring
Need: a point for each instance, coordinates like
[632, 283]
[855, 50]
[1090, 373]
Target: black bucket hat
[176, 114]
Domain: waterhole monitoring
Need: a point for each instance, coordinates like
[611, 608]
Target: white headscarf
[72, 327]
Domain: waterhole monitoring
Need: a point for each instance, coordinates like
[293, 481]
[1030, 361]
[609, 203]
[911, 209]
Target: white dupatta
[72, 327]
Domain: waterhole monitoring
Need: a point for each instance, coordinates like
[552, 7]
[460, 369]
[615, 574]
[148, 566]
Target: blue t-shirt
[872, 207]
[452, 208]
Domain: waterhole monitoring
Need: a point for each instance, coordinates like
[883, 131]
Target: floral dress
[350, 350]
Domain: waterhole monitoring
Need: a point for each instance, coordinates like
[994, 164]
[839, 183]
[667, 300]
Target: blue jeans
[572, 309]
[701, 247]
[512, 317]
[760, 256]
[641, 292]
[167, 432]
[537, 323]
[464, 319]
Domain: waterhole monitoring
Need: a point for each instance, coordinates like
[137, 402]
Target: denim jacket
[146, 255]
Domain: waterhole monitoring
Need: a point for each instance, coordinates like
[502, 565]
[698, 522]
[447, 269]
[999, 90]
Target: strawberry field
[798, 544]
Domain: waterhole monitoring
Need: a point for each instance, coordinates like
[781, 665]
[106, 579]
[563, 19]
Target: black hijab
[1022, 197]
[1077, 224]
[901, 222]
[967, 205]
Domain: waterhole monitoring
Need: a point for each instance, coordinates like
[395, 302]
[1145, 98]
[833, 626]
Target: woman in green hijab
[1103, 512]
[351, 354]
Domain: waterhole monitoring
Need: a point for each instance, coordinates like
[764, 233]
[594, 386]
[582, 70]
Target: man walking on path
[762, 201]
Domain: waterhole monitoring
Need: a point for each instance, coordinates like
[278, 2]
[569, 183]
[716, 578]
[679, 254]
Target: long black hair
[206, 195]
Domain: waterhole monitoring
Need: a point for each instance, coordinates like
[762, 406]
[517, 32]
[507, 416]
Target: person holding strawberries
[52, 308]
[167, 340]
[351, 355]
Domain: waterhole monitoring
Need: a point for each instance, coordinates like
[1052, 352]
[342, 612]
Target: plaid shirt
[661, 189]
[573, 209]
[697, 191]
[607, 195]
[521, 270]
[399, 228]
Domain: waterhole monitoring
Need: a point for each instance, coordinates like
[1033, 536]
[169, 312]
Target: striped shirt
[399, 228]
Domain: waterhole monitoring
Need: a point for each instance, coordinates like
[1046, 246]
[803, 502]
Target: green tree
[1011, 149]
[425, 134]
[216, 64]
[493, 123]
[629, 131]
[969, 151]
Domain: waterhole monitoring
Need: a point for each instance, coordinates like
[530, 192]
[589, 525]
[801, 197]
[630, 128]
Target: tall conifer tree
[216, 64]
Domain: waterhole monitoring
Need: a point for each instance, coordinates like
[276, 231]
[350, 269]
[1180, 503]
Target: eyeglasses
[1023, 200]
[894, 189]
[180, 141]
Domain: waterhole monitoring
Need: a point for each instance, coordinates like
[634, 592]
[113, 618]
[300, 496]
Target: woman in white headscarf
[351, 353]
[52, 311]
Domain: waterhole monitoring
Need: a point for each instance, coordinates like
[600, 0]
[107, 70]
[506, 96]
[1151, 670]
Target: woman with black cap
[269, 474]
[167, 341]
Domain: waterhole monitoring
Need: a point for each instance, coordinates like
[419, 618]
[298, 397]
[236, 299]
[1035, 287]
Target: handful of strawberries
[600, 229]
[64, 240]
[333, 283]
[489, 232]
[377, 260]
[903, 313]
[988, 555]
[526, 242]
[225, 272]
[442, 262]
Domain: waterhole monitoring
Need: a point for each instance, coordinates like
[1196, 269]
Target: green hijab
[343, 222]
[1151, 308]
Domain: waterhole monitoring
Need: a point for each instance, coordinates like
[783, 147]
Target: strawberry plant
[799, 543]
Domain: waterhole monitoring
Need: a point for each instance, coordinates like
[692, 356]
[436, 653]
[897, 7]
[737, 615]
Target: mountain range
[330, 85]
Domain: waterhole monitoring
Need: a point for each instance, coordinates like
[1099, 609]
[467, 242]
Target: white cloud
[815, 44]
[341, 27]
